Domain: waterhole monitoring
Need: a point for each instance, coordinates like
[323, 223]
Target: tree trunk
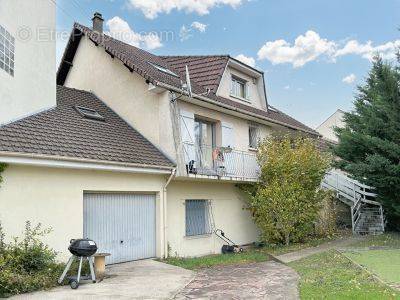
[287, 239]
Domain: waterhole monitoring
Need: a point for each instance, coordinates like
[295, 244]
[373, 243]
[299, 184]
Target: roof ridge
[206, 55]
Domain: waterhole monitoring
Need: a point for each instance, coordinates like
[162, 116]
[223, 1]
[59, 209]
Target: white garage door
[121, 224]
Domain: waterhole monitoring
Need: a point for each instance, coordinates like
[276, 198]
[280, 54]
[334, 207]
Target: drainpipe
[173, 173]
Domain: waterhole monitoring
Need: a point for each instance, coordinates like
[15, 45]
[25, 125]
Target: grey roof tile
[62, 131]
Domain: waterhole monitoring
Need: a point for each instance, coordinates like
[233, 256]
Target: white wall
[326, 128]
[54, 197]
[33, 87]
[228, 205]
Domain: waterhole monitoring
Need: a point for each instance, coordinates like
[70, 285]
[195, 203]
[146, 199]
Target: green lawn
[330, 275]
[390, 239]
[249, 255]
[384, 263]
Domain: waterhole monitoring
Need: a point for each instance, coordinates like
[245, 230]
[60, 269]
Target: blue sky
[313, 52]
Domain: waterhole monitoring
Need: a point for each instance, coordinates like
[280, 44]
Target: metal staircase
[366, 214]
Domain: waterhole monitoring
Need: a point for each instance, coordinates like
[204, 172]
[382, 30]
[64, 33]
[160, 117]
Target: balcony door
[204, 143]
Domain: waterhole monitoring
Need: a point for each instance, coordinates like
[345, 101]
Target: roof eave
[79, 163]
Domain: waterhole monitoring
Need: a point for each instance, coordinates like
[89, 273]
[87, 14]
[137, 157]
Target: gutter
[78, 163]
[206, 99]
[165, 213]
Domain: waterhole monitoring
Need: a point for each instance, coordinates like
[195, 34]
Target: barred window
[254, 136]
[7, 49]
[198, 217]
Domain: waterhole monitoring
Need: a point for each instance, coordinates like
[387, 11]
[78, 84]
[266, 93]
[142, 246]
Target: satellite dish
[188, 84]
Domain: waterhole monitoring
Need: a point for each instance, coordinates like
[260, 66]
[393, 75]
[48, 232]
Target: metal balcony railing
[220, 161]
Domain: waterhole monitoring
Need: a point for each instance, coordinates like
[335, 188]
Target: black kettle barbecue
[80, 249]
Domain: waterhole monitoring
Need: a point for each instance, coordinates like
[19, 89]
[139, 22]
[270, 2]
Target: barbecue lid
[82, 247]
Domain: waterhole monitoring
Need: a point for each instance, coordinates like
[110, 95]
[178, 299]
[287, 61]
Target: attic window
[240, 88]
[89, 113]
[162, 69]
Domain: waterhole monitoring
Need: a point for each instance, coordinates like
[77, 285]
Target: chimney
[98, 22]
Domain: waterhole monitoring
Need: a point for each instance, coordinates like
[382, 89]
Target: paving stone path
[266, 280]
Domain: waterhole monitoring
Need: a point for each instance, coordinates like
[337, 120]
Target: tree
[369, 145]
[2, 168]
[286, 201]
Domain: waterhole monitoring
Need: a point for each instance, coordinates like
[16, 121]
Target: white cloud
[306, 48]
[287, 87]
[120, 29]
[349, 79]
[152, 8]
[368, 50]
[185, 33]
[310, 47]
[199, 26]
[246, 60]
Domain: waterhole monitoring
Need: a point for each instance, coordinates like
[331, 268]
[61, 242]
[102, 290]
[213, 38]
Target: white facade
[32, 86]
[54, 193]
[326, 129]
[172, 126]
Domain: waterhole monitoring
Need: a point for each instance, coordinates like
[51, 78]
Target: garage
[121, 224]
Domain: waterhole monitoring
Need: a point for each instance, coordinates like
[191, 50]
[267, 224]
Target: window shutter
[187, 135]
[228, 138]
[248, 96]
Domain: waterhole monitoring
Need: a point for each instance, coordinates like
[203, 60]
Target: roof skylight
[89, 113]
[162, 69]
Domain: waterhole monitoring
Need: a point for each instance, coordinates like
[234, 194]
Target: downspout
[173, 173]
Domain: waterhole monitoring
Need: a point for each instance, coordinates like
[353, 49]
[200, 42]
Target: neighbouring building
[134, 159]
[326, 129]
[27, 58]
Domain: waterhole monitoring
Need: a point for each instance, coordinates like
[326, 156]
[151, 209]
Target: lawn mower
[230, 247]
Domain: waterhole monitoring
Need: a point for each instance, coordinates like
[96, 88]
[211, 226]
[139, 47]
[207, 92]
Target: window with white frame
[240, 88]
[7, 49]
[198, 217]
[254, 136]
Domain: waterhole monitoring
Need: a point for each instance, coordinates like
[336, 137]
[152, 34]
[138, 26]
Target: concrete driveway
[146, 279]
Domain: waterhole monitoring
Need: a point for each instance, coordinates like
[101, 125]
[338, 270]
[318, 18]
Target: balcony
[220, 163]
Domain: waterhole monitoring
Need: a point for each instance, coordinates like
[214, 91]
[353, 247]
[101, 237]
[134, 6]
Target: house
[326, 129]
[135, 155]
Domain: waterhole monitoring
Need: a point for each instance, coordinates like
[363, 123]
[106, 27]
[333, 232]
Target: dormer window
[240, 88]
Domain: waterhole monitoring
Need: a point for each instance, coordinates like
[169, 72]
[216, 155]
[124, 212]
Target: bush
[27, 264]
[286, 201]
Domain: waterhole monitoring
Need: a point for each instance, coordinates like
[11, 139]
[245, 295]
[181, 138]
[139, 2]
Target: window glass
[254, 136]
[238, 88]
[198, 217]
[7, 47]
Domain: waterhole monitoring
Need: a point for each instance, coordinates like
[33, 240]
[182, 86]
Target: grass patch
[330, 275]
[390, 239]
[383, 263]
[283, 249]
[251, 255]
